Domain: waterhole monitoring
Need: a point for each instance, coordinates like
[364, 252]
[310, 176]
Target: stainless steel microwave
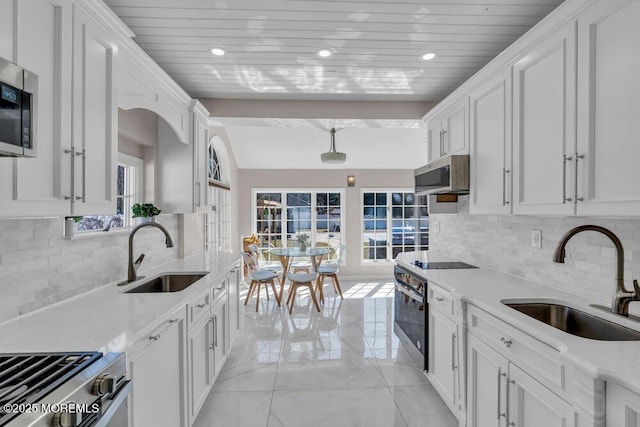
[18, 92]
[447, 175]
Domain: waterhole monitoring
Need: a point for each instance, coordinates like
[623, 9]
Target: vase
[303, 247]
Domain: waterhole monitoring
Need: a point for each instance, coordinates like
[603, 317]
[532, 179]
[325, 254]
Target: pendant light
[332, 156]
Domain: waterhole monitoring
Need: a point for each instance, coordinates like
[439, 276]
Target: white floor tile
[246, 409]
[356, 407]
[343, 366]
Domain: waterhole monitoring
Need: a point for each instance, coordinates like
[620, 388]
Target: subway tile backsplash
[39, 267]
[503, 243]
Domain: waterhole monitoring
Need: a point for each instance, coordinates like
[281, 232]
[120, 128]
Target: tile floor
[341, 367]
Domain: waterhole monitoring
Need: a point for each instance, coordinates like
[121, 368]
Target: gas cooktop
[442, 265]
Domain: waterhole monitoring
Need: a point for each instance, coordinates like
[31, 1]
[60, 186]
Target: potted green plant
[145, 211]
[303, 239]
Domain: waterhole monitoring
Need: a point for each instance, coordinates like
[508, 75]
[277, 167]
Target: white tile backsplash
[38, 266]
[503, 243]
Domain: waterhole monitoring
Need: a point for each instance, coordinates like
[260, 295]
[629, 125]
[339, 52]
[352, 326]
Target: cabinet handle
[439, 299]
[215, 331]
[508, 416]
[453, 352]
[157, 337]
[444, 139]
[83, 153]
[198, 194]
[441, 143]
[504, 187]
[506, 342]
[500, 413]
[565, 159]
[201, 305]
[577, 199]
[72, 197]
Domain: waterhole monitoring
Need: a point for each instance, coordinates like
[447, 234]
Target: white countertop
[607, 360]
[107, 319]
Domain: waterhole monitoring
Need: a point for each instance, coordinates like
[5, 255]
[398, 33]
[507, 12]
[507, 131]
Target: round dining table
[288, 254]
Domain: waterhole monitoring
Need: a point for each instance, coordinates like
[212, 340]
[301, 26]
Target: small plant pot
[303, 247]
[145, 219]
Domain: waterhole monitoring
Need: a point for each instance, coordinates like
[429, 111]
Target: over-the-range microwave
[18, 92]
[447, 175]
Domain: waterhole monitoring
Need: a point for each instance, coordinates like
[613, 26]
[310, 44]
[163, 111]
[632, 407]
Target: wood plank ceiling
[271, 45]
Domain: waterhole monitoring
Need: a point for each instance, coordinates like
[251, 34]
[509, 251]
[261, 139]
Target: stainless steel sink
[167, 283]
[575, 322]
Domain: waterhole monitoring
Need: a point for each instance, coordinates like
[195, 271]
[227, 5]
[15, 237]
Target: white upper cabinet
[94, 117]
[182, 168]
[608, 109]
[448, 132]
[544, 100]
[490, 145]
[37, 36]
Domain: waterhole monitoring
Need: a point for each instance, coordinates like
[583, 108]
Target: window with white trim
[218, 217]
[128, 192]
[393, 222]
[280, 216]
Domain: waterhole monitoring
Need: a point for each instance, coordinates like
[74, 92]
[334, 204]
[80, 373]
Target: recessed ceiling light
[324, 53]
[429, 56]
[217, 51]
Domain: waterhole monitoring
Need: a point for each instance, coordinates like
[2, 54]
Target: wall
[309, 179]
[503, 243]
[39, 267]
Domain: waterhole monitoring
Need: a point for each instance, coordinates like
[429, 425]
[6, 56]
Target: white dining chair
[259, 277]
[330, 269]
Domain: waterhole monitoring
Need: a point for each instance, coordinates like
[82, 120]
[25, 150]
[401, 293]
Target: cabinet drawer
[440, 299]
[535, 357]
[198, 308]
[219, 290]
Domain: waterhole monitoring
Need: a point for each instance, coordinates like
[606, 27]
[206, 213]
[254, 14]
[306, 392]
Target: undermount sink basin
[167, 283]
[575, 322]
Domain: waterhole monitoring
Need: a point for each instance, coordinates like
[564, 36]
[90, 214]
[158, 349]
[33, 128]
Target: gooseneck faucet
[132, 275]
[621, 297]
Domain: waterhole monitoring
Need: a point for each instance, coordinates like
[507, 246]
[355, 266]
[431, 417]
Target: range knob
[104, 384]
[68, 417]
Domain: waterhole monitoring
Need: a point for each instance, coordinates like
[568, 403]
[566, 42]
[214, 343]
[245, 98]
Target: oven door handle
[411, 294]
[115, 404]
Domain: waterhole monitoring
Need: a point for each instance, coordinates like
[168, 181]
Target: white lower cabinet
[159, 376]
[219, 319]
[623, 407]
[501, 394]
[200, 361]
[444, 358]
[233, 304]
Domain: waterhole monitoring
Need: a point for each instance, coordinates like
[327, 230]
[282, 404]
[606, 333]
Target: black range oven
[411, 314]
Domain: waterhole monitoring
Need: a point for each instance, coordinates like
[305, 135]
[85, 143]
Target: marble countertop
[607, 360]
[108, 319]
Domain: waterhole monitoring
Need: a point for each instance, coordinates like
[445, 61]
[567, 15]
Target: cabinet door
[200, 133]
[219, 318]
[486, 382]
[623, 407]
[94, 117]
[435, 139]
[442, 337]
[158, 394]
[544, 126]
[490, 146]
[40, 41]
[608, 111]
[233, 304]
[533, 405]
[456, 129]
[200, 348]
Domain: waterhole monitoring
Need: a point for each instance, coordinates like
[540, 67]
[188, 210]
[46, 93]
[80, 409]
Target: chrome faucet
[132, 275]
[621, 296]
